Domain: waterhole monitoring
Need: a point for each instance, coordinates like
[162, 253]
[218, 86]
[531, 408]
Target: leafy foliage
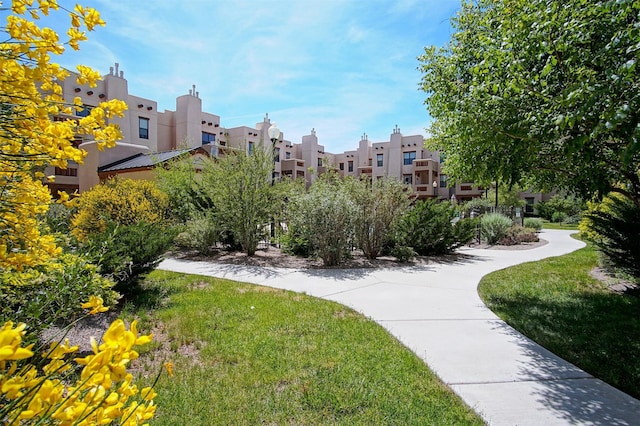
[494, 227]
[200, 233]
[551, 83]
[324, 216]
[121, 201]
[379, 204]
[561, 206]
[614, 227]
[519, 234]
[428, 229]
[533, 222]
[50, 295]
[30, 139]
[126, 252]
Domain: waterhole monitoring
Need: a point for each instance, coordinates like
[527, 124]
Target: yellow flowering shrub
[30, 139]
[49, 392]
[122, 201]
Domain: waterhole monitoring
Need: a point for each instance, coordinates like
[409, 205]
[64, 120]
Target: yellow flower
[10, 340]
[169, 367]
[95, 304]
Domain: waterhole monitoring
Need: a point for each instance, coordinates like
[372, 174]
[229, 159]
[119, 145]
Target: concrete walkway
[436, 312]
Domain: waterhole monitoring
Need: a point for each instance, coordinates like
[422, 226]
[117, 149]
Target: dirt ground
[274, 257]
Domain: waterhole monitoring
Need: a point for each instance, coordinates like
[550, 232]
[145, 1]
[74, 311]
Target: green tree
[379, 204]
[540, 90]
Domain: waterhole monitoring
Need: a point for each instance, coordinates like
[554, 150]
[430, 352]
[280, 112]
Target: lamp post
[435, 188]
[274, 134]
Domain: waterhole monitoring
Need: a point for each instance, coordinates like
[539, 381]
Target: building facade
[151, 136]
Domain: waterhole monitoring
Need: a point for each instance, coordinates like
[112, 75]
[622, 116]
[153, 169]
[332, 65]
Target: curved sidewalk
[436, 312]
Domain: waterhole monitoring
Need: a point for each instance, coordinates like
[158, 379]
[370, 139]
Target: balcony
[292, 167]
[425, 191]
[425, 165]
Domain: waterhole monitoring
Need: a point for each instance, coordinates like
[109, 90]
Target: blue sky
[343, 67]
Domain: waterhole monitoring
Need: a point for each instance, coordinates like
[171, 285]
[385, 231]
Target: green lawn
[247, 355]
[552, 225]
[559, 305]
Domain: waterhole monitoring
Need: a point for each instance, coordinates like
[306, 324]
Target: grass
[559, 305]
[246, 354]
[551, 225]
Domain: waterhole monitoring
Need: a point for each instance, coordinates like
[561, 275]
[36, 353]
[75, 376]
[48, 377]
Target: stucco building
[151, 137]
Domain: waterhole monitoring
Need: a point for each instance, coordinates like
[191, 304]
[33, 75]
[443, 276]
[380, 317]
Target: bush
[533, 222]
[569, 206]
[121, 201]
[293, 242]
[50, 296]
[403, 253]
[379, 204]
[518, 235]
[479, 205]
[200, 233]
[494, 227]
[614, 227]
[559, 217]
[126, 252]
[428, 229]
[324, 216]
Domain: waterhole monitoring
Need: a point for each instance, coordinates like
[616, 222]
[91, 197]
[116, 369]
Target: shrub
[324, 216]
[200, 233]
[126, 252]
[558, 217]
[379, 204]
[428, 229]
[614, 227]
[50, 296]
[293, 242]
[122, 201]
[518, 235]
[479, 205]
[403, 253]
[494, 227]
[570, 206]
[533, 222]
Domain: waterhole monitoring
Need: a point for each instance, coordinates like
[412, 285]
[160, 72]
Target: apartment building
[151, 137]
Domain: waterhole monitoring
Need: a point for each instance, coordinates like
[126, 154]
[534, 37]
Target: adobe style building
[151, 137]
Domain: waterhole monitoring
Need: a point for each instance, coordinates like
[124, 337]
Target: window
[250, 148]
[342, 166]
[208, 138]
[69, 171]
[85, 111]
[143, 128]
[379, 158]
[529, 207]
[443, 181]
[409, 157]
[287, 155]
[319, 162]
[350, 166]
[276, 155]
[407, 179]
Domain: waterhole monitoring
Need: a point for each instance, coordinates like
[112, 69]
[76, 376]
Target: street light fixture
[435, 188]
[274, 135]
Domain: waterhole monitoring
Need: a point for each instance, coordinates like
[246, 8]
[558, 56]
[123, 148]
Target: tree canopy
[542, 92]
